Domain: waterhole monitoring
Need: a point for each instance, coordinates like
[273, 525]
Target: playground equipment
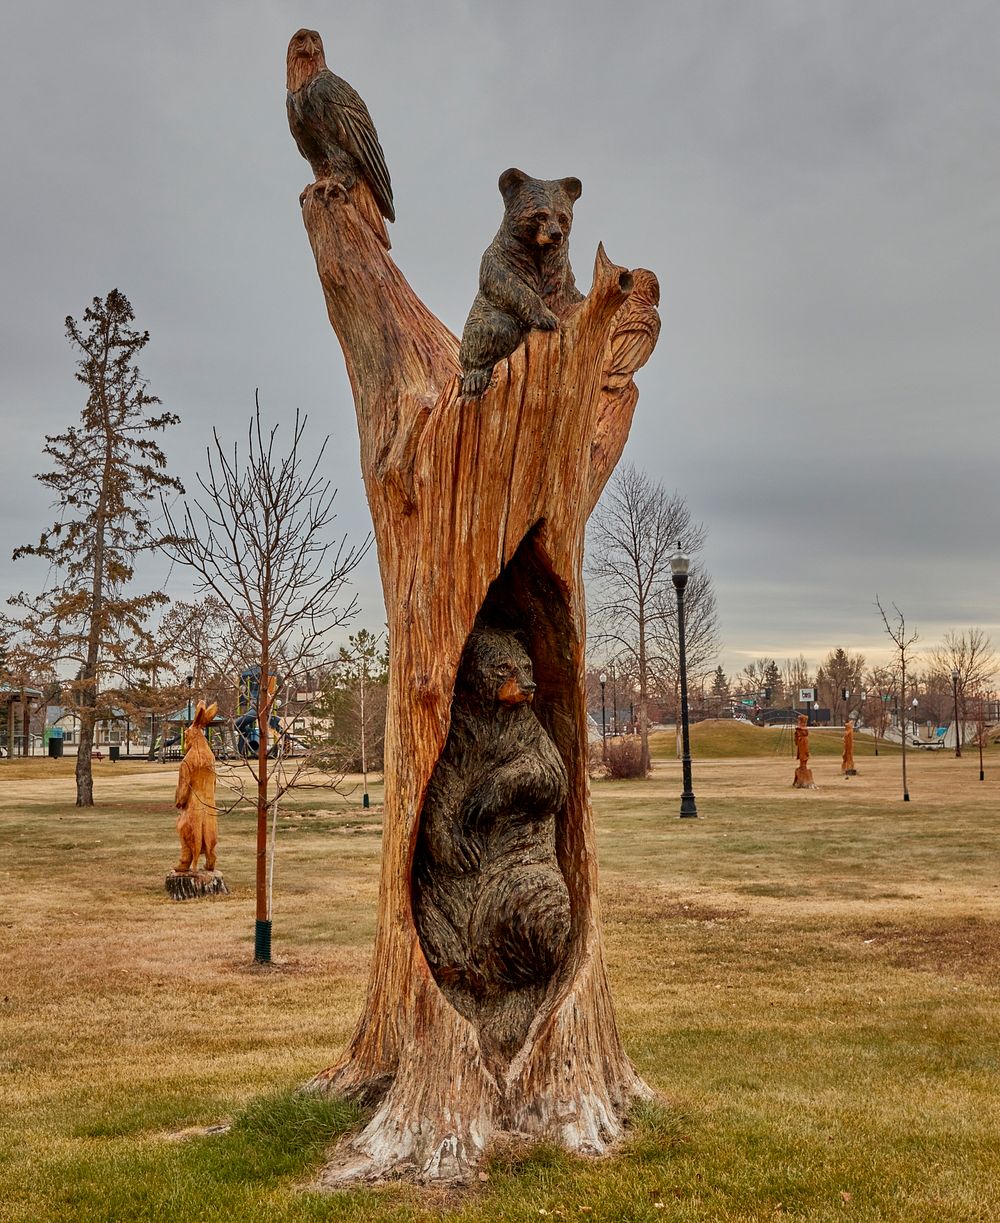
[247, 704]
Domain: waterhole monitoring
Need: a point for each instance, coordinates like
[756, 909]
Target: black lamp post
[913, 705]
[190, 681]
[981, 735]
[679, 564]
[958, 737]
[604, 720]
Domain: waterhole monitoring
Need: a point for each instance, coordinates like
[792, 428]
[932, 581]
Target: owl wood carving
[197, 823]
[335, 133]
[636, 329]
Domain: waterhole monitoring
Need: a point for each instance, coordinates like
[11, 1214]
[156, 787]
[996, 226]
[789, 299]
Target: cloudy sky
[816, 183]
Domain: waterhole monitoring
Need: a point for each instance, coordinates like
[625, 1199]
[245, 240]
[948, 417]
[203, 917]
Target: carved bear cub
[525, 279]
[491, 904]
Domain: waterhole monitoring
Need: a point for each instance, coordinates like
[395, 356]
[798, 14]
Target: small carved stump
[803, 779]
[194, 885]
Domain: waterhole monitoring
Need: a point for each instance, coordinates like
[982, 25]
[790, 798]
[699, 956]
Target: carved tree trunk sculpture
[479, 505]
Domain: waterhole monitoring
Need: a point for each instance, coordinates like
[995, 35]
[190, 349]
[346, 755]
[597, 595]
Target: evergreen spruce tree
[720, 688]
[107, 469]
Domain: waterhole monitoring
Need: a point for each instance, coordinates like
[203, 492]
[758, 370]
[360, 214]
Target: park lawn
[809, 979]
[726, 738]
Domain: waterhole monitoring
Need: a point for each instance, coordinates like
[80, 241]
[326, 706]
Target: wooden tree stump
[479, 511]
[195, 885]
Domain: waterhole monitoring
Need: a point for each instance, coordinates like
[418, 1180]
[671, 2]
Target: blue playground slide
[247, 730]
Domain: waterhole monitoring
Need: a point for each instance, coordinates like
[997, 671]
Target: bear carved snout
[516, 692]
[550, 235]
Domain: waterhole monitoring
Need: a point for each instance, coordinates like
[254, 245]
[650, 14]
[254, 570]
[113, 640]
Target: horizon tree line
[91, 641]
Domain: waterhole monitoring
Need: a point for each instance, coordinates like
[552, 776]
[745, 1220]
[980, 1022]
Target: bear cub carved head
[495, 671]
[538, 212]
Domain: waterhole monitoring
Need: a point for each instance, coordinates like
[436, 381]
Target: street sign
[807, 695]
[747, 700]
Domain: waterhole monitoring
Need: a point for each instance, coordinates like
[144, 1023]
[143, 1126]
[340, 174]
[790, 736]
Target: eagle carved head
[304, 59]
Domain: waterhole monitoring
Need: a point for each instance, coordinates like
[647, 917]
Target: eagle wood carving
[335, 133]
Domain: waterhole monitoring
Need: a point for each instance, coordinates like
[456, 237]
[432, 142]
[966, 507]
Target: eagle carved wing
[338, 109]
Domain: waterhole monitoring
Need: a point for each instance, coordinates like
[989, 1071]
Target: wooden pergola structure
[20, 695]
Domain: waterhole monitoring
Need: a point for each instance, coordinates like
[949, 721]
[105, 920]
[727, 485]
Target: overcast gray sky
[817, 185]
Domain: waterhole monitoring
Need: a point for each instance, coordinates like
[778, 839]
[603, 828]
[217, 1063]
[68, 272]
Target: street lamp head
[914, 702]
[955, 673]
[190, 680]
[602, 679]
[679, 564]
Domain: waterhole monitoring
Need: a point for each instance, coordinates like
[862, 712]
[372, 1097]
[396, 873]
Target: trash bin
[55, 748]
[114, 752]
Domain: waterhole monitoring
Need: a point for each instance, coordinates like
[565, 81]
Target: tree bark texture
[479, 509]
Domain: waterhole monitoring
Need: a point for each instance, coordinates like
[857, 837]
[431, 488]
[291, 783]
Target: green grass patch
[725, 740]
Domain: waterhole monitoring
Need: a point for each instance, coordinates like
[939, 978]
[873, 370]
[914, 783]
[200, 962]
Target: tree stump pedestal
[195, 885]
[479, 509]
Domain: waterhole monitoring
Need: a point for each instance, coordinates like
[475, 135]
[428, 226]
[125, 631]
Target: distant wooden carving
[335, 133]
[491, 903]
[197, 823]
[847, 763]
[803, 774]
[525, 278]
[488, 1006]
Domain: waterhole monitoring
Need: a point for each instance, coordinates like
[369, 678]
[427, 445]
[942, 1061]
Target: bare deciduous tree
[258, 539]
[796, 674]
[701, 637]
[902, 640]
[970, 653]
[881, 685]
[631, 537]
[204, 640]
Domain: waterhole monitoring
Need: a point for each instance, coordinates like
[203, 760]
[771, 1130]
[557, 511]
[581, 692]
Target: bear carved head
[495, 672]
[538, 211]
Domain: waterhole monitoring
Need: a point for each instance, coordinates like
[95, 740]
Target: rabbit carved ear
[205, 714]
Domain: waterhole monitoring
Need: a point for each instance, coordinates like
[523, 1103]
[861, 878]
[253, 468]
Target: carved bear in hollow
[525, 278]
[491, 904]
